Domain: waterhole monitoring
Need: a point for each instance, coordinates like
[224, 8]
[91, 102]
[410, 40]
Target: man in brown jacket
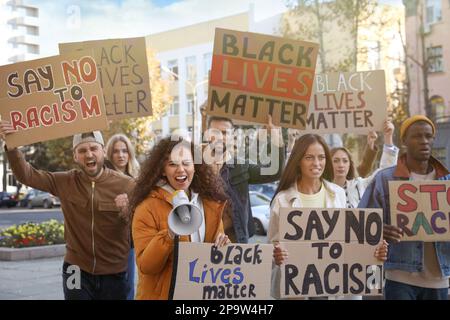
[96, 230]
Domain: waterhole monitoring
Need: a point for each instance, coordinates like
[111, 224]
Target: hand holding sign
[392, 233]
[221, 240]
[371, 138]
[388, 129]
[5, 128]
[280, 255]
[381, 251]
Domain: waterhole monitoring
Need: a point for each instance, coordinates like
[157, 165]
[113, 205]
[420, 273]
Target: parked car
[38, 198]
[7, 199]
[261, 212]
[268, 189]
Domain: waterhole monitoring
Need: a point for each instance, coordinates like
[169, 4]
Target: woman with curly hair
[170, 167]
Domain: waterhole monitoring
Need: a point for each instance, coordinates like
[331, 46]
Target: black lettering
[312, 277]
[360, 285]
[373, 218]
[11, 83]
[357, 225]
[326, 278]
[220, 104]
[298, 230]
[315, 223]
[290, 272]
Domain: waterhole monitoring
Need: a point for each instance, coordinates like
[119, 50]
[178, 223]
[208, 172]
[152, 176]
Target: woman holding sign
[305, 183]
[121, 157]
[344, 169]
[168, 168]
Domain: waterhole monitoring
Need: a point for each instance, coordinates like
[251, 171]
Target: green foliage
[32, 234]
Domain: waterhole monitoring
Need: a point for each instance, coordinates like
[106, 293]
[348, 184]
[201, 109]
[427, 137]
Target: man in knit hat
[415, 270]
[96, 230]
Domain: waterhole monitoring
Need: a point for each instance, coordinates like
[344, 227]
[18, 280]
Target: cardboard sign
[253, 75]
[331, 252]
[235, 271]
[421, 209]
[123, 70]
[51, 98]
[348, 102]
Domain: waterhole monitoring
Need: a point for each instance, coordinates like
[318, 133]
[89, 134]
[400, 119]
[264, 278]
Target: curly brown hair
[207, 184]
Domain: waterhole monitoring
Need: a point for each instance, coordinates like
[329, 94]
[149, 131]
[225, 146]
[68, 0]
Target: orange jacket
[153, 246]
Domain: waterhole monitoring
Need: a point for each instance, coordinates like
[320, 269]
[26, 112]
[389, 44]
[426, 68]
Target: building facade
[428, 47]
[19, 41]
[185, 55]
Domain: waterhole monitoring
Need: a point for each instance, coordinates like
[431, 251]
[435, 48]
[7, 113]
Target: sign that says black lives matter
[235, 271]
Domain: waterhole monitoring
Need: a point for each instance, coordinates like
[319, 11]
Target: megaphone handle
[173, 280]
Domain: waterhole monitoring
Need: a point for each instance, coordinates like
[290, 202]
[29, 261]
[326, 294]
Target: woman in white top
[344, 168]
[304, 183]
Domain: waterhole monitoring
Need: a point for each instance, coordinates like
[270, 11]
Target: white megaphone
[185, 217]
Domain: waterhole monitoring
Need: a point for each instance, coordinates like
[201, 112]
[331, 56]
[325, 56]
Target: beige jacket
[290, 198]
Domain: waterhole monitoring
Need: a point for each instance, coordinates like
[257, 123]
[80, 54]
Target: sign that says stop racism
[421, 209]
[51, 98]
[254, 75]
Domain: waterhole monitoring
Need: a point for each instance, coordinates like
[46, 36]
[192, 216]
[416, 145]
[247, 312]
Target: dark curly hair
[205, 182]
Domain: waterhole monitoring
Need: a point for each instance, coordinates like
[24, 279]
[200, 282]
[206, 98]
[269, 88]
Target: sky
[69, 20]
[78, 20]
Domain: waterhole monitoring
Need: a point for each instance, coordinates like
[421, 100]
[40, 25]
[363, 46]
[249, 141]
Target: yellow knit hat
[413, 119]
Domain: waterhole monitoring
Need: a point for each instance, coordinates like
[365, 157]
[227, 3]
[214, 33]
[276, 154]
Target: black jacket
[238, 177]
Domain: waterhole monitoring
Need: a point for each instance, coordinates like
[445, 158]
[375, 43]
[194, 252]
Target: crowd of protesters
[116, 212]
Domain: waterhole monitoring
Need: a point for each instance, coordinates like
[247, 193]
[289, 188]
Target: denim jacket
[405, 255]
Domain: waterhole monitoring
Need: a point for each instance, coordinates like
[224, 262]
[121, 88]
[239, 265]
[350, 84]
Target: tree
[314, 20]
[57, 154]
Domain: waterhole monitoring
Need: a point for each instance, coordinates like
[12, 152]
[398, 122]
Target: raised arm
[24, 172]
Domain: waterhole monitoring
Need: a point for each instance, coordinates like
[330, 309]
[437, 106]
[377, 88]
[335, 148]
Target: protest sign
[253, 75]
[51, 98]
[235, 271]
[348, 102]
[331, 252]
[124, 76]
[421, 209]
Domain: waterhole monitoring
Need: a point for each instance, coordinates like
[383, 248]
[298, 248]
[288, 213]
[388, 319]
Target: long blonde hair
[132, 165]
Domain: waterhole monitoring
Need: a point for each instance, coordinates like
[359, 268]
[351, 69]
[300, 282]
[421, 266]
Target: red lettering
[69, 70]
[411, 204]
[32, 117]
[44, 120]
[92, 75]
[56, 113]
[16, 120]
[92, 110]
[69, 114]
[433, 190]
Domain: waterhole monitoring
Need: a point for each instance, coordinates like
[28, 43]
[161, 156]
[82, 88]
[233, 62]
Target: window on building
[174, 107]
[433, 11]
[435, 59]
[191, 68]
[438, 108]
[32, 12]
[207, 60]
[190, 103]
[32, 31]
[172, 65]
[32, 48]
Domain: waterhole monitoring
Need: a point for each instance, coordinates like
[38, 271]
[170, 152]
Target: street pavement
[40, 279]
